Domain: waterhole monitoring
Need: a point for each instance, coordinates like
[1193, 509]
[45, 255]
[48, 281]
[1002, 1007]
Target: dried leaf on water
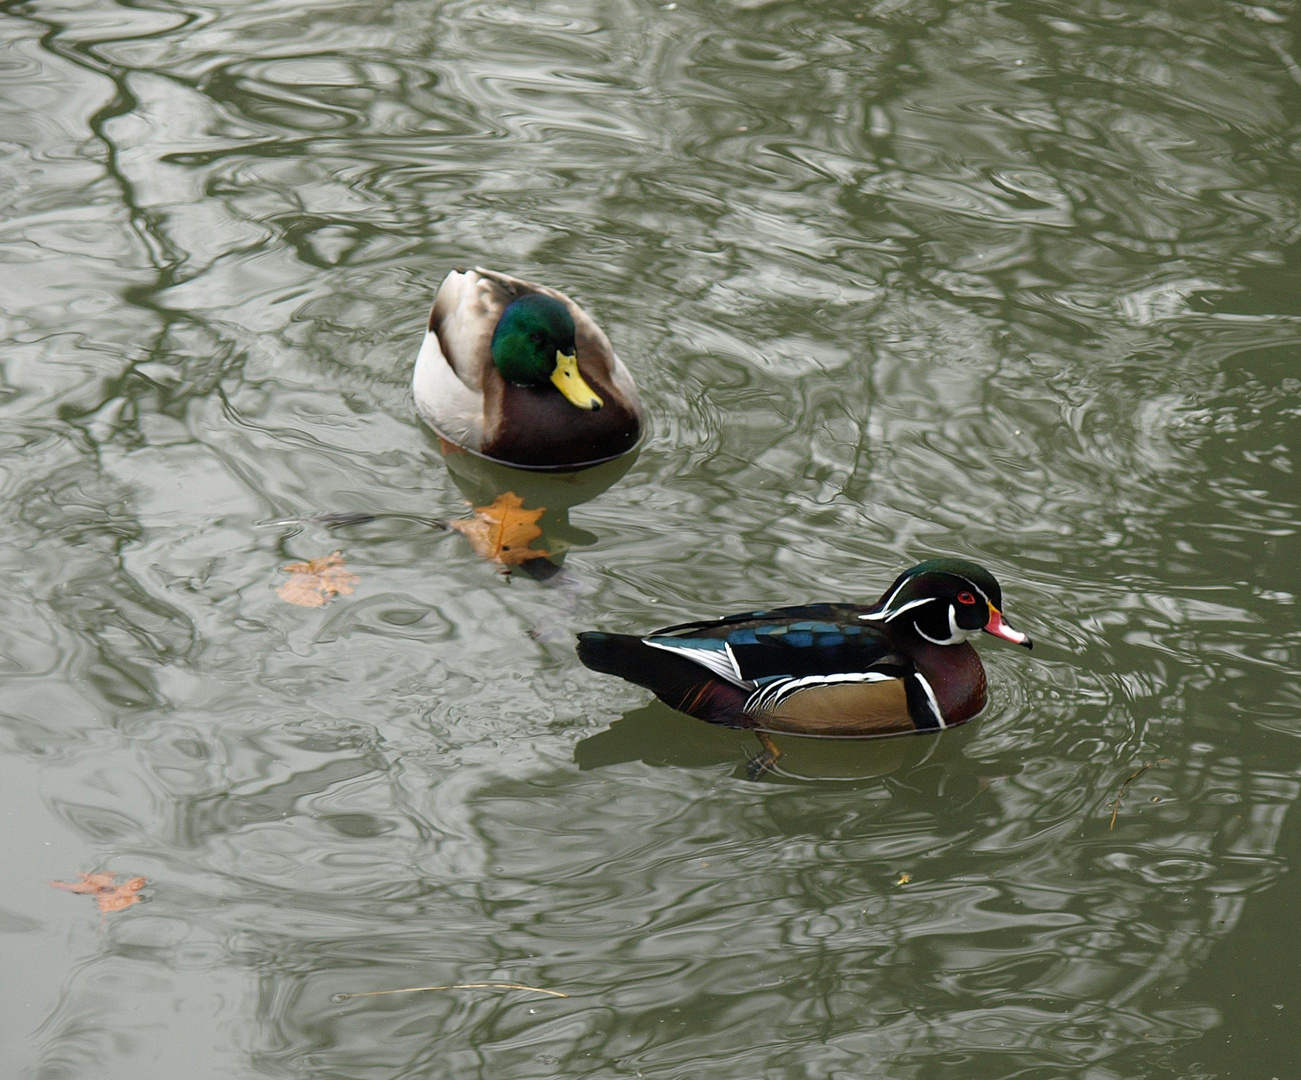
[503, 531]
[313, 583]
[108, 896]
[904, 878]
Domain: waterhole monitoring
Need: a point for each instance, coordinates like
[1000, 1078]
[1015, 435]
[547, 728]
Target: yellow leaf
[904, 878]
[312, 583]
[503, 531]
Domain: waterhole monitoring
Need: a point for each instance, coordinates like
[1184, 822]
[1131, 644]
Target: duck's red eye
[966, 598]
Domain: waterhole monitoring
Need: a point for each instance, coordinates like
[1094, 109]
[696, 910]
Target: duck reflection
[550, 495]
[934, 771]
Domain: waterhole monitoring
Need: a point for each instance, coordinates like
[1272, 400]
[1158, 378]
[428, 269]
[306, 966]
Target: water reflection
[656, 735]
[481, 482]
[1012, 282]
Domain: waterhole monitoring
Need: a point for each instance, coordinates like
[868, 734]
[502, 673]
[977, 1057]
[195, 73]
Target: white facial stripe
[924, 634]
[885, 606]
[886, 615]
[978, 590]
[956, 634]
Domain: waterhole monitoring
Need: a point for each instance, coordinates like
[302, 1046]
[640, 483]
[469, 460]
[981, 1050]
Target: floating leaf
[503, 531]
[108, 896]
[312, 583]
[904, 878]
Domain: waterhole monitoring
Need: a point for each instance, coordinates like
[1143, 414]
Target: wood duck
[520, 374]
[831, 670]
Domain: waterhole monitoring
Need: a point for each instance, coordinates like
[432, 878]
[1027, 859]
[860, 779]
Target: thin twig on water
[452, 986]
[1115, 803]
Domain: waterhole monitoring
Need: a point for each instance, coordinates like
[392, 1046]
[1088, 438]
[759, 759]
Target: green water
[1013, 281]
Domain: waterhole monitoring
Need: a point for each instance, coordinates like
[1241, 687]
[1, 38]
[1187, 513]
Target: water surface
[1011, 281]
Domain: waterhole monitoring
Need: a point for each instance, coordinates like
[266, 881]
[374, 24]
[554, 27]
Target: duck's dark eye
[966, 598]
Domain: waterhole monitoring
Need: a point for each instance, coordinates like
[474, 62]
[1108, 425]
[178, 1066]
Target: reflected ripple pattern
[1015, 282]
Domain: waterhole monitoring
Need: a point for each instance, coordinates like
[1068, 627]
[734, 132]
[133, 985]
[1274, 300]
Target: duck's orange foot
[765, 759]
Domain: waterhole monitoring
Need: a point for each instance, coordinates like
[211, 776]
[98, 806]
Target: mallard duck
[903, 664]
[519, 373]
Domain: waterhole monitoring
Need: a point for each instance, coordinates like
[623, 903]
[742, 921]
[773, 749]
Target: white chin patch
[957, 635]
[934, 641]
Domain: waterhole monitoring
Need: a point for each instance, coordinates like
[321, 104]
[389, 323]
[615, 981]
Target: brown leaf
[312, 583]
[108, 897]
[503, 531]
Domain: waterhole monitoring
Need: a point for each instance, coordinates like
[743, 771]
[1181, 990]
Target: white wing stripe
[778, 690]
[721, 663]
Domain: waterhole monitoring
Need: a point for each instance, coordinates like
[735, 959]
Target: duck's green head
[946, 601]
[533, 345]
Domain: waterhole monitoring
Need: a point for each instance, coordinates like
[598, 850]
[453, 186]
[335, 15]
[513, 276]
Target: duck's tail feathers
[675, 680]
[614, 654]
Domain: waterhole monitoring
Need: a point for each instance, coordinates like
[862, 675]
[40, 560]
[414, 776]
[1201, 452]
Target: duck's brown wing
[465, 314]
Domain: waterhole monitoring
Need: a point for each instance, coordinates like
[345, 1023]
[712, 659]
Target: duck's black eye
[966, 598]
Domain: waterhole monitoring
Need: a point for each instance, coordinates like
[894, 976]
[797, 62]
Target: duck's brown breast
[539, 428]
[957, 677]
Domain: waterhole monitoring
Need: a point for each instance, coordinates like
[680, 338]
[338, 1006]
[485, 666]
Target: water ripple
[1015, 283]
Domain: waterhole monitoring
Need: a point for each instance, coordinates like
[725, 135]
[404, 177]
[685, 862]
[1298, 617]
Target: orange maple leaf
[503, 531]
[312, 583]
[108, 897]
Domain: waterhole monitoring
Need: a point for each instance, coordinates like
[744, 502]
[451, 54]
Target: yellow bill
[570, 383]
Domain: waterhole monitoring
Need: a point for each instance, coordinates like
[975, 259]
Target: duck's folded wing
[752, 653]
[808, 675]
[826, 613]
